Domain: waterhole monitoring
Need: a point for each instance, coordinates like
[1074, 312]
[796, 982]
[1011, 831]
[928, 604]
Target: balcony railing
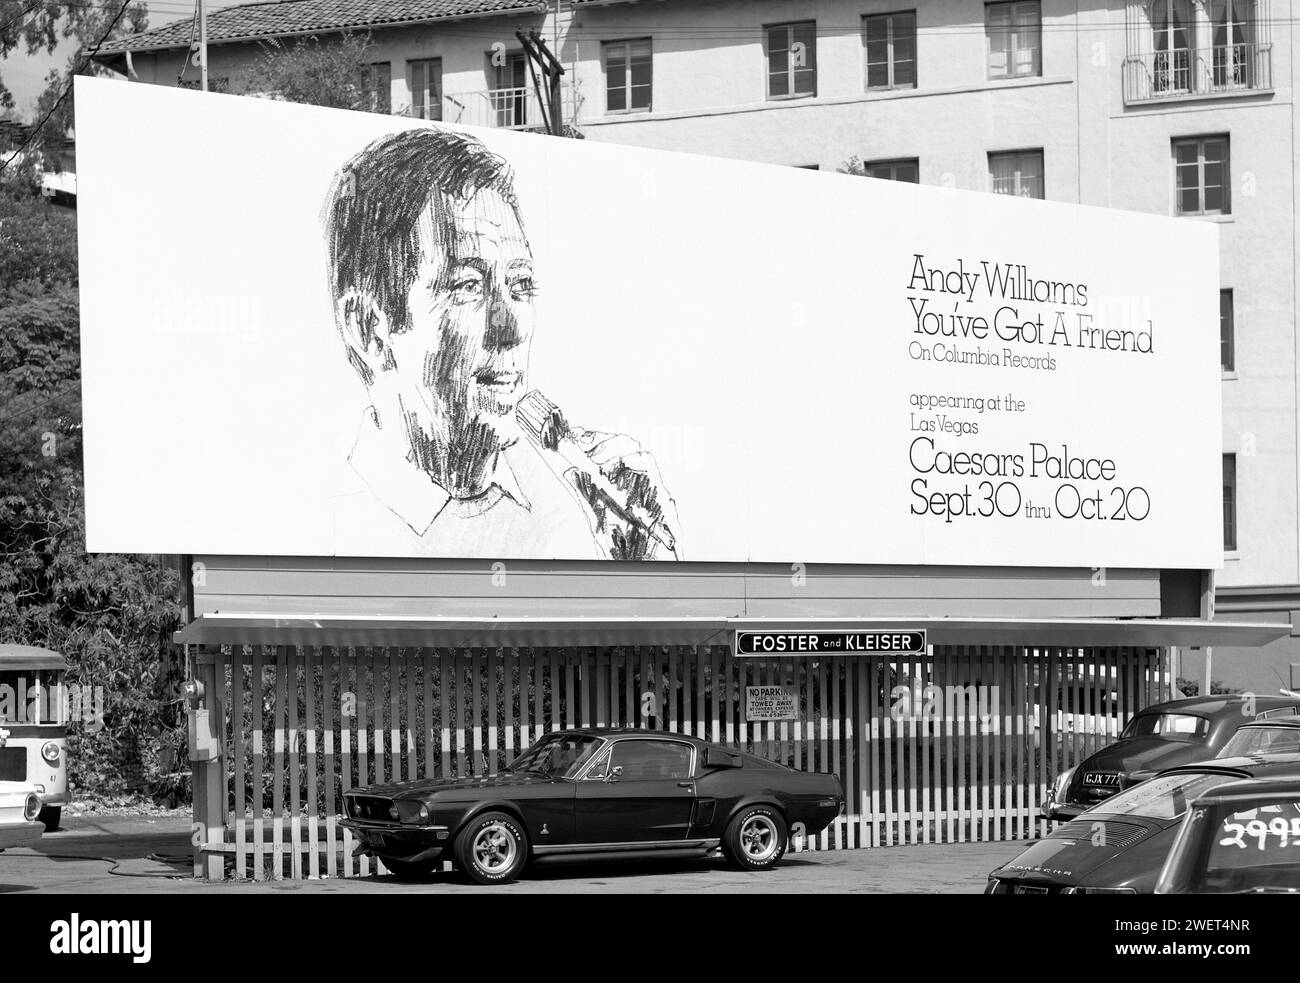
[1183, 73]
[515, 109]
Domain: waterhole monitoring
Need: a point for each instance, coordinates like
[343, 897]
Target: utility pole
[203, 45]
[541, 60]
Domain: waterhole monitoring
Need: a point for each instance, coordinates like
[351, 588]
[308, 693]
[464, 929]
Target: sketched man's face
[472, 315]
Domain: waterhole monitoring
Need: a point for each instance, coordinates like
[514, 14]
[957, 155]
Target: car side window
[600, 769]
[652, 760]
[1279, 712]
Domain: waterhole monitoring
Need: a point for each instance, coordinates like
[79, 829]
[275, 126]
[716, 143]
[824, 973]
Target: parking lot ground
[151, 855]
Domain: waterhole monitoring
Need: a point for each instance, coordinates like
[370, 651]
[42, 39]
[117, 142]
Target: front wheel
[755, 839]
[492, 849]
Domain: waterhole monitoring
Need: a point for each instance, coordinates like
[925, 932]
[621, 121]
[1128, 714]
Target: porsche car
[1119, 846]
[1162, 736]
[595, 794]
[1238, 838]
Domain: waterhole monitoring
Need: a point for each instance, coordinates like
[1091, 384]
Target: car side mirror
[615, 774]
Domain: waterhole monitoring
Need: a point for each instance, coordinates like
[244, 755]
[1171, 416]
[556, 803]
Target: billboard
[308, 332]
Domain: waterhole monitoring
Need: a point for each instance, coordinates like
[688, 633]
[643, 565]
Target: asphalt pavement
[151, 855]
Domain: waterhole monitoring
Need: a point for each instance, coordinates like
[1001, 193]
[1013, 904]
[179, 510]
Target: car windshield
[556, 756]
[1256, 741]
[1252, 848]
[1163, 797]
[1173, 726]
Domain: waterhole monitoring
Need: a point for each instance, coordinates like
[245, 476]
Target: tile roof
[276, 19]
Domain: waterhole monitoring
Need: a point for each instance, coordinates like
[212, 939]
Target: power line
[67, 89]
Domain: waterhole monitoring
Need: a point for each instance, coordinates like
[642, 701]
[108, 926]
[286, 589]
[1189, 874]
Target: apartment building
[1176, 107]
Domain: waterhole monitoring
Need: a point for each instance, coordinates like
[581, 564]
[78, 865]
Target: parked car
[1161, 736]
[20, 805]
[1119, 846]
[1238, 838]
[595, 793]
[1265, 739]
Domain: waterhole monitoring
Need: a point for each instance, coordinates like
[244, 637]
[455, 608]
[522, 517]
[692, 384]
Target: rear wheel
[492, 848]
[405, 870]
[50, 816]
[755, 839]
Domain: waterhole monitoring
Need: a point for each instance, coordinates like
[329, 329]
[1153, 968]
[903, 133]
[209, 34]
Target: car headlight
[50, 752]
[32, 807]
[412, 812]
[1061, 784]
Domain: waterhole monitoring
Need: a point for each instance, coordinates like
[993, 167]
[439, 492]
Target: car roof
[1217, 704]
[1252, 788]
[611, 732]
[1293, 722]
[30, 657]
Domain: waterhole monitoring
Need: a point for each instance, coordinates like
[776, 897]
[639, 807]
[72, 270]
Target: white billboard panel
[320, 333]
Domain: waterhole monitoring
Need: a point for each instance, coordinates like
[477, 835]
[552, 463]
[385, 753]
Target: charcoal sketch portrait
[435, 296]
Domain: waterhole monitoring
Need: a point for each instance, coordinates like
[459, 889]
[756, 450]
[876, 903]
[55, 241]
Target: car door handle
[685, 784]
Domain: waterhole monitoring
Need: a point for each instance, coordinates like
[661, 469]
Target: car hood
[1125, 861]
[423, 788]
[1144, 754]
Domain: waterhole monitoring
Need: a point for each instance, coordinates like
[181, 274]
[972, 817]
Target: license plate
[1029, 889]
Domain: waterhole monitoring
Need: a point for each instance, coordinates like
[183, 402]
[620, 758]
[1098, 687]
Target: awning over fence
[438, 632]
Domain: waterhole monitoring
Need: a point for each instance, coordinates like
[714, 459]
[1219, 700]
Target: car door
[640, 790]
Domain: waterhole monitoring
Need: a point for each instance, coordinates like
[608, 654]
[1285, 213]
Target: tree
[39, 25]
[111, 615]
[319, 73]
[90, 24]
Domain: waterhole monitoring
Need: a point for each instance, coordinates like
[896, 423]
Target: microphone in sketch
[434, 291]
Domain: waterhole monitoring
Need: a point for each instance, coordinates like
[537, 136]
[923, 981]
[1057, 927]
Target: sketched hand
[634, 516]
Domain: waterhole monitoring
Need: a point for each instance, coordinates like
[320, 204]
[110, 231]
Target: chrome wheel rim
[758, 838]
[494, 848]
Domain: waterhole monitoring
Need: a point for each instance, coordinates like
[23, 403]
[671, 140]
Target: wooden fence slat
[312, 810]
[347, 719]
[236, 705]
[329, 666]
[277, 793]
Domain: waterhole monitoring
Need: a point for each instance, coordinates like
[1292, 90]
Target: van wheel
[492, 849]
[50, 816]
[755, 839]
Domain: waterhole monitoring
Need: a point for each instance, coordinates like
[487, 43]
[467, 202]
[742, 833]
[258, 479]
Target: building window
[890, 40]
[792, 60]
[1201, 176]
[377, 85]
[425, 81]
[907, 170]
[1018, 173]
[1182, 48]
[1015, 33]
[509, 93]
[1233, 39]
[1227, 348]
[1229, 502]
[627, 76]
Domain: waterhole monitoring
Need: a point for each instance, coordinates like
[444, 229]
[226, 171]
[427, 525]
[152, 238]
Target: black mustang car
[595, 793]
[1162, 736]
[1118, 847]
